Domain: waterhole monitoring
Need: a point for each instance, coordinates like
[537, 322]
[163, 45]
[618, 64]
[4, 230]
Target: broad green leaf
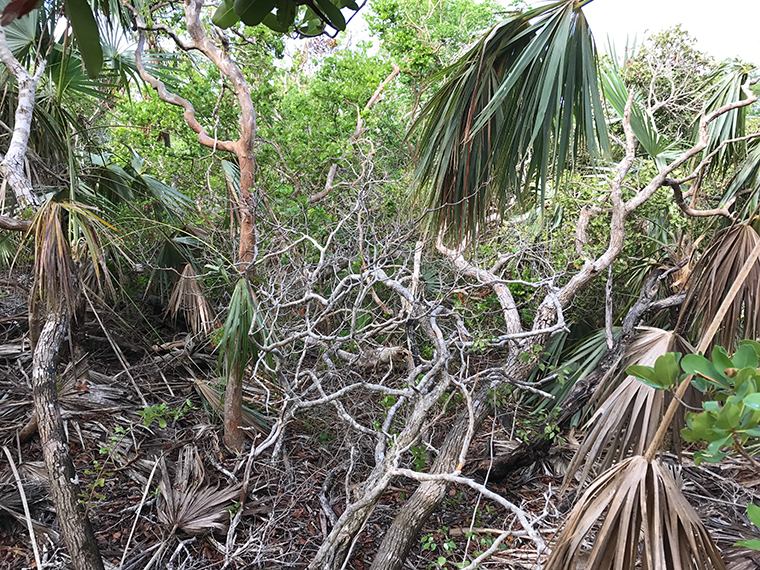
[273, 23]
[743, 376]
[754, 344]
[729, 417]
[666, 368]
[253, 12]
[753, 544]
[647, 375]
[698, 365]
[752, 401]
[721, 360]
[225, 15]
[87, 35]
[745, 357]
[753, 512]
[699, 427]
[332, 13]
[754, 432]
[286, 13]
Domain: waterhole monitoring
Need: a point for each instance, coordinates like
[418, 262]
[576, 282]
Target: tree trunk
[12, 167]
[406, 526]
[247, 211]
[233, 411]
[64, 483]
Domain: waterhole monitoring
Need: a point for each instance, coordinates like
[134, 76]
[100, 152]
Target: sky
[723, 29]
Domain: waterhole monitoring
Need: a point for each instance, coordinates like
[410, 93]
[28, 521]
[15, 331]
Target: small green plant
[162, 413]
[98, 471]
[447, 547]
[753, 512]
[731, 412]
[419, 457]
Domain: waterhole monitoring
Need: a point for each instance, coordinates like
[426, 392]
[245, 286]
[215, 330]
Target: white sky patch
[724, 29]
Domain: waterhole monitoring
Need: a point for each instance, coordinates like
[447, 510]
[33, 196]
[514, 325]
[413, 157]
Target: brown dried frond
[190, 505]
[647, 524]
[713, 276]
[53, 267]
[188, 298]
[627, 419]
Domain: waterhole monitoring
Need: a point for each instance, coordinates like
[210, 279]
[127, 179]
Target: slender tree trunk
[233, 411]
[402, 534]
[64, 483]
[12, 167]
[247, 209]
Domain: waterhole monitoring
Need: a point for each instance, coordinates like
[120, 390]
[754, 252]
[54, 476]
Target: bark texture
[12, 167]
[233, 413]
[402, 534]
[64, 483]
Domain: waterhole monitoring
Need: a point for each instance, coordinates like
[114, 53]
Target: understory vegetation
[460, 290]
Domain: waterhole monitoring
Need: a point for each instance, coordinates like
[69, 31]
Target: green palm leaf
[512, 109]
[727, 89]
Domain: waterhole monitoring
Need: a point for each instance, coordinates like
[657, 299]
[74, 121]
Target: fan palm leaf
[514, 106]
[189, 299]
[647, 524]
[627, 419]
[713, 276]
[657, 146]
[188, 504]
[727, 89]
[746, 178]
[251, 418]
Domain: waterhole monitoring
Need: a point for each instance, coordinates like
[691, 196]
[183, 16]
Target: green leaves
[753, 512]
[732, 417]
[225, 15]
[283, 16]
[252, 12]
[664, 374]
[236, 348]
[520, 102]
[87, 35]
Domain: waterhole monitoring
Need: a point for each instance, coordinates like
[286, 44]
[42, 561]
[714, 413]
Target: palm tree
[510, 115]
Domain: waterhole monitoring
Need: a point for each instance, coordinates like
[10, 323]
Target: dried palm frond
[188, 504]
[251, 418]
[188, 298]
[713, 276]
[647, 524]
[55, 226]
[626, 421]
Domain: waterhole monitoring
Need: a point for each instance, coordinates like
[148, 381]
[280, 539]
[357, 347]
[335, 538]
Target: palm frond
[746, 178]
[54, 226]
[514, 106]
[647, 523]
[711, 279]
[727, 89]
[189, 299]
[627, 419]
[188, 504]
[657, 146]
[236, 348]
[251, 418]
[53, 266]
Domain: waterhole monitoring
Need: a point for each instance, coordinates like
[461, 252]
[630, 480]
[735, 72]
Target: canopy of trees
[474, 293]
